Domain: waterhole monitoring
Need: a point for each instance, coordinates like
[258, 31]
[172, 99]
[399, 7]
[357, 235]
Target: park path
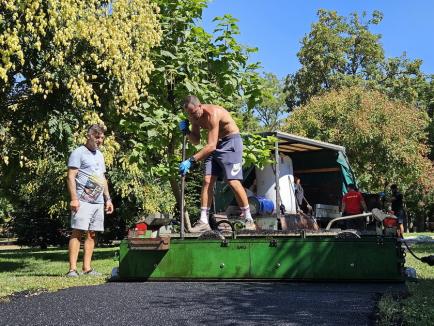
[201, 303]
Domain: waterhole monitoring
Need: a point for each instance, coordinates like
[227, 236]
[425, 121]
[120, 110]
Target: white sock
[246, 212]
[204, 215]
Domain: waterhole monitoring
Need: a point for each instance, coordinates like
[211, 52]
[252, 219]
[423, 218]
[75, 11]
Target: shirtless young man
[222, 155]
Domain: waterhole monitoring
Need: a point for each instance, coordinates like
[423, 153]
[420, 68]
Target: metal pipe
[349, 217]
[277, 175]
[184, 144]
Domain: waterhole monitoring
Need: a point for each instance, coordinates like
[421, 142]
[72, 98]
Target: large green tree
[342, 51]
[188, 61]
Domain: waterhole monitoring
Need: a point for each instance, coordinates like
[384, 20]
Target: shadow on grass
[11, 266]
[51, 254]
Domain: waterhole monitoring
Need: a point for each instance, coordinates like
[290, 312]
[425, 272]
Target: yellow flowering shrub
[93, 38]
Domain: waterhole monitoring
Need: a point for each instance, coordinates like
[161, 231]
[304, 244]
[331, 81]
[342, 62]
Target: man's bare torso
[226, 124]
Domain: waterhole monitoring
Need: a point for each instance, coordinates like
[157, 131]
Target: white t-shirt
[90, 179]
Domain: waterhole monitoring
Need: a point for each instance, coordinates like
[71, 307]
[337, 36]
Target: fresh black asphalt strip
[201, 303]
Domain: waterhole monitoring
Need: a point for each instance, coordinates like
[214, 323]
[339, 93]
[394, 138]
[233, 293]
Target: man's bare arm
[194, 135]
[72, 173]
[108, 201]
[106, 191]
[74, 204]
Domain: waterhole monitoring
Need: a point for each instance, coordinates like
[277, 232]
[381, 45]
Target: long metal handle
[349, 217]
[184, 144]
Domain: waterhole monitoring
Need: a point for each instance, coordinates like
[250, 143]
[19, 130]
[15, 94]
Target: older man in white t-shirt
[88, 189]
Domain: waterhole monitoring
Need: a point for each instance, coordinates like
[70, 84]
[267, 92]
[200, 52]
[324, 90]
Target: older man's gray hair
[96, 129]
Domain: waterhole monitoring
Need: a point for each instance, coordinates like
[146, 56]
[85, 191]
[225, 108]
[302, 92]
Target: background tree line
[380, 109]
[128, 64]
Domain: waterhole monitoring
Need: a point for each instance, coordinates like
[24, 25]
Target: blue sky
[276, 27]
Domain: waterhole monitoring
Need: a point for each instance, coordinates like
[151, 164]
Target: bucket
[260, 205]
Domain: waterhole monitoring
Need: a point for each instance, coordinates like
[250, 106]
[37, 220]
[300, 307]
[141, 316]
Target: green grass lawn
[418, 307]
[35, 270]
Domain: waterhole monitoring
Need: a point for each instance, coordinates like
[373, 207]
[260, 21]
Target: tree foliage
[342, 51]
[188, 61]
[271, 109]
[126, 64]
[385, 139]
[86, 49]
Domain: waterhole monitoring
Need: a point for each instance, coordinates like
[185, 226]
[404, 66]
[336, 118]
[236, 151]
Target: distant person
[88, 190]
[398, 207]
[353, 204]
[222, 155]
[301, 201]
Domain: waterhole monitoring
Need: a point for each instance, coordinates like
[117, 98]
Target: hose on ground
[427, 259]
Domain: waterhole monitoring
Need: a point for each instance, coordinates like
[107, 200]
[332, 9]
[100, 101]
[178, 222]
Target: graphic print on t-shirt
[92, 189]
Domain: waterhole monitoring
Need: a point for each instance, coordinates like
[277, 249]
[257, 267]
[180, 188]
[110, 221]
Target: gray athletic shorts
[89, 217]
[226, 160]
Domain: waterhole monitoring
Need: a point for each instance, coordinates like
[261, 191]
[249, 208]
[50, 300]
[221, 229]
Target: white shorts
[89, 217]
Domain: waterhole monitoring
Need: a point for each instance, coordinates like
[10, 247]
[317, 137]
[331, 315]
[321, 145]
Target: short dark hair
[96, 129]
[191, 99]
[394, 187]
[352, 186]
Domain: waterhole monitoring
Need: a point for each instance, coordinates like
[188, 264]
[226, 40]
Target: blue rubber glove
[184, 126]
[184, 167]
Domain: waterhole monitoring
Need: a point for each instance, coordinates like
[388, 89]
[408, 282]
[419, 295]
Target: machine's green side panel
[283, 259]
[186, 259]
[274, 259]
[328, 259]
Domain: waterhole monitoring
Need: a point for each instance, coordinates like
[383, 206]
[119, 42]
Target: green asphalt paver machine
[288, 245]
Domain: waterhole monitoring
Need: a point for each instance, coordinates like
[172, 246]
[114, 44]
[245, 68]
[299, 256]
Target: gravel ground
[200, 303]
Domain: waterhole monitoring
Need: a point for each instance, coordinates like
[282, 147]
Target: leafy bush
[36, 229]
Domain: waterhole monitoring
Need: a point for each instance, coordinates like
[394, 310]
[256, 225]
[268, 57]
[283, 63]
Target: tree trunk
[174, 184]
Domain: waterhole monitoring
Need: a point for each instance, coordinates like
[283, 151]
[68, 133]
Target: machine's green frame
[297, 257]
